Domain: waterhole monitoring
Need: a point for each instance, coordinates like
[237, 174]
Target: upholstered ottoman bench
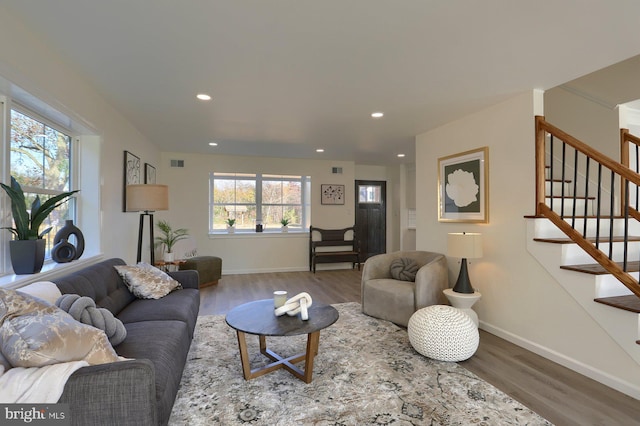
[209, 269]
[444, 333]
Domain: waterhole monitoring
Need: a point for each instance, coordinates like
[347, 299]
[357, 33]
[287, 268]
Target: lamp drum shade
[465, 245]
[147, 198]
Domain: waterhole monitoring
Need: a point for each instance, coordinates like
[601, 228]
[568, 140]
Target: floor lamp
[465, 245]
[147, 199]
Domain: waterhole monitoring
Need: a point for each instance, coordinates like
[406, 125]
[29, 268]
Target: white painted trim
[600, 376]
[50, 271]
[319, 268]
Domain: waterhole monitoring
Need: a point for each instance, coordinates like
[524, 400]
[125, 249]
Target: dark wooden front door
[371, 217]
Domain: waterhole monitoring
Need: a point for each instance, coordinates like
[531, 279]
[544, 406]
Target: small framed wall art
[149, 174]
[463, 187]
[331, 194]
[131, 175]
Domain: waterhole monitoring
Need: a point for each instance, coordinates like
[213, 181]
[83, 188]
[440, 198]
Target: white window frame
[9, 105]
[305, 206]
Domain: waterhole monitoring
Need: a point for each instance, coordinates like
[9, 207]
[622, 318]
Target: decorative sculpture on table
[298, 304]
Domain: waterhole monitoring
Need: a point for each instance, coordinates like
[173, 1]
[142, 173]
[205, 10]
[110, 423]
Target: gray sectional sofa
[140, 391]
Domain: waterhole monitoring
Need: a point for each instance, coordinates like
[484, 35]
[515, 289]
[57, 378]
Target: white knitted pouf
[444, 333]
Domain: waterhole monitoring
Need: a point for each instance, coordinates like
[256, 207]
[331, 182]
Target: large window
[253, 198]
[41, 161]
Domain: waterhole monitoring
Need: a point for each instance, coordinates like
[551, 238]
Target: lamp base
[463, 285]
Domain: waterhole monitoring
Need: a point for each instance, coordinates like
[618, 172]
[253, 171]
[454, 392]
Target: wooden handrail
[626, 279]
[606, 161]
[626, 175]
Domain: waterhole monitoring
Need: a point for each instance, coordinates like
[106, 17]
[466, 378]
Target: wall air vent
[177, 163]
[336, 170]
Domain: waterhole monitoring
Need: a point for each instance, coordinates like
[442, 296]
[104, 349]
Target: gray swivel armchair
[394, 300]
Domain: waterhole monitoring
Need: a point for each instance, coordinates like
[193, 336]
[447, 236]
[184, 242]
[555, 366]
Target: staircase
[585, 232]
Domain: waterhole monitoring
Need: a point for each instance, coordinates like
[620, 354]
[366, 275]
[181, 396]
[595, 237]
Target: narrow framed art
[131, 175]
[149, 174]
[463, 187]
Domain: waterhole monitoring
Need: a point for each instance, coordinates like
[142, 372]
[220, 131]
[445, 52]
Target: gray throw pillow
[84, 309]
[404, 269]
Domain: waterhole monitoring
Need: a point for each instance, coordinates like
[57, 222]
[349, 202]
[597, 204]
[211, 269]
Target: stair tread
[570, 197]
[597, 269]
[558, 180]
[603, 240]
[628, 303]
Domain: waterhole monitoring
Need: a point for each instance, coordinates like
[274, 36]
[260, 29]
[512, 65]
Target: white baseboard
[280, 269]
[607, 379]
[261, 270]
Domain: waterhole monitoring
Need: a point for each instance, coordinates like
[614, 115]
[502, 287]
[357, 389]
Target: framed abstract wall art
[331, 194]
[149, 174]
[131, 175]
[463, 187]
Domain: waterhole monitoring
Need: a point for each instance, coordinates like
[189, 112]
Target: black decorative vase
[27, 256]
[62, 248]
[63, 252]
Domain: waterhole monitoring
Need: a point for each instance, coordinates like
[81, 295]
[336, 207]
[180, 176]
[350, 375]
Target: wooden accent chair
[333, 246]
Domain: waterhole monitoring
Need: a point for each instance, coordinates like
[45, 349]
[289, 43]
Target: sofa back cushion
[101, 282]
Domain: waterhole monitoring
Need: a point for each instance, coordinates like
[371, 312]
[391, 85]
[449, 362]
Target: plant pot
[285, 228]
[27, 256]
[231, 229]
[169, 257]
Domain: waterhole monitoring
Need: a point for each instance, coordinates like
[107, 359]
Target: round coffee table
[258, 318]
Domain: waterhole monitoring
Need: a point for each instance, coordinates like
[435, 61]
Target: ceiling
[290, 76]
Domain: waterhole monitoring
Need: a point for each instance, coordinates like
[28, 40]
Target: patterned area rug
[366, 373]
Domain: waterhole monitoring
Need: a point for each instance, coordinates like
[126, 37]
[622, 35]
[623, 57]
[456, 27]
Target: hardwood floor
[558, 394]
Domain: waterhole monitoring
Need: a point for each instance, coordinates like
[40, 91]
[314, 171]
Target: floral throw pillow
[146, 281]
[34, 333]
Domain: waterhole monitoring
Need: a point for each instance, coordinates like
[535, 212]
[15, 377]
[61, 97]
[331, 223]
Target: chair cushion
[404, 269]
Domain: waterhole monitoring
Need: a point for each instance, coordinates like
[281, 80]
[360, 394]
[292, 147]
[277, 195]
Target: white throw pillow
[45, 290]
[146, 281]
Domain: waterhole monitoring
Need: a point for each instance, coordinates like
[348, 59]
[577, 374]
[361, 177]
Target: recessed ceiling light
[213, 144]
[377, 114]
[319, 150]
[203, 97]
[401, 155]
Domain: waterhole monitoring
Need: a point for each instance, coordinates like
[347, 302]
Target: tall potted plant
[169, 237]
[28, 247]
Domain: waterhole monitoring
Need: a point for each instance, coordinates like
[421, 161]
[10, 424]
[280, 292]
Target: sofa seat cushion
[166, 345]
[180, 305]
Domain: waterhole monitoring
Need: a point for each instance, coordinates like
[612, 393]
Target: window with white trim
[257, 198]
[41, 161]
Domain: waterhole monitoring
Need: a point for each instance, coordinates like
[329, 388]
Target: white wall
[189, 198]
[520, 301]
[27, 63]
[591, 122]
